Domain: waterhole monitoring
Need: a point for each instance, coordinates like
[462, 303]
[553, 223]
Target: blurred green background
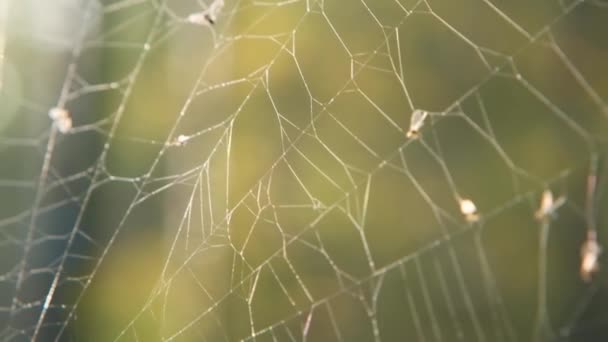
[297, 209]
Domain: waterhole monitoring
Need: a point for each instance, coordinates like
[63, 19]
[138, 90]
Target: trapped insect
[62, 119]
[591, 249]
[208, 16]
[548, 205]
[181, 140]
[469, 210]
[416, 123]
[590, 253]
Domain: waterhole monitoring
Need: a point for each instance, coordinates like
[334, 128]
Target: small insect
[468, 209]
[416, 123]
[181, 140]
[590, 253]
[208, 16]
[548, 205]
[62, 119]
[201, 18]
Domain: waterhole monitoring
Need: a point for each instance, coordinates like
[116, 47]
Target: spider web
[240, 170]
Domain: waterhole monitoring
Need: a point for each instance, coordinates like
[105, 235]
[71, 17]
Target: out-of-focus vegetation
[297, 208]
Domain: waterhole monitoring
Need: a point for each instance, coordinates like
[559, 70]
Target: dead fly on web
[62, 119]
[590, 253]
[181, 140]
[416, 123]
[468, 209]
[548, 206]
[208, 16]
[590, 250]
